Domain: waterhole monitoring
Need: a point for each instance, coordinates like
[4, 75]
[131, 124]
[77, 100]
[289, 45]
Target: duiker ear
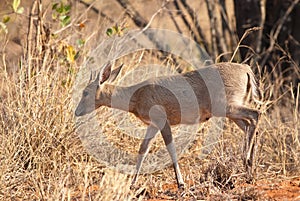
[91, 77]
[104, 74]
[115, 73]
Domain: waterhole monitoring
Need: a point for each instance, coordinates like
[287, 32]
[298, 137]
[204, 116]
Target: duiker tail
[253, 88]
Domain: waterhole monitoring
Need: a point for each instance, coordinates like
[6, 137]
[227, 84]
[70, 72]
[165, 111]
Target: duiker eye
[85, 93]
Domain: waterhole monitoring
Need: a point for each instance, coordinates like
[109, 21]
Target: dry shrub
[42, 157]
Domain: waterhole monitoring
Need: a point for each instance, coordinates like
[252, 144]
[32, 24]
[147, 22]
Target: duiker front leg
[168, 139]
[144, 149]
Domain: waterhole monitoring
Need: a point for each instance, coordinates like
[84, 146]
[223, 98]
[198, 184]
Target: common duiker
[218, 90]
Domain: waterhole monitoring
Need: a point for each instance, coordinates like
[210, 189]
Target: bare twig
[135, 15]
[185, 21]
[282, 20]
[154, 15]
[212, 17]
[276, 31]
[30, 39]
[139, 20]
[225, 24]
[90, 6]
[175, 22]
[194, 34]
[191, 12]
[262, 22]
[220, 42]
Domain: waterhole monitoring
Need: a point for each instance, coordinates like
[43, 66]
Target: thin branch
[135, 15]
[154, 15]
[191, 12]
[276, 30]
[186, 22]
[262, 22]
[283, 19]
[225, 24]
[212, 19]
[90, 6]
[175, 22]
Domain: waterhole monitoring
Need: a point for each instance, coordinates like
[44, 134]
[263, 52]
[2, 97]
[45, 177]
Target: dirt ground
[273, 189]
[278, 190]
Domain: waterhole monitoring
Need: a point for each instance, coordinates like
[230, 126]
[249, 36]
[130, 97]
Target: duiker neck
[118, 97]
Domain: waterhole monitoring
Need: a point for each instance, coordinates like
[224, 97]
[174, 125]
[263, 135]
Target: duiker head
[93, 95]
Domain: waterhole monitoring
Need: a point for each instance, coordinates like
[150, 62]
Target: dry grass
[42, 157]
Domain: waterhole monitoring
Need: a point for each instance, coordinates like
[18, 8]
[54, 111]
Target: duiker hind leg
[247, 120]
[249, 146]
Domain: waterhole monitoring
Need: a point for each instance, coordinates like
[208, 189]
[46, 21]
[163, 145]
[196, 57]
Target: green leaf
[65, 20]
[109, 31]
[62, 17]
[60, 9]
[76, 55]
[54, 16]
[54, 6]
[20, 10]
[80, 42]
[115, 29]
[67, 8]
[16, 4]
[5, 19]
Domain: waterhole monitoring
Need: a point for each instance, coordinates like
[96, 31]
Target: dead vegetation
[42, 156]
